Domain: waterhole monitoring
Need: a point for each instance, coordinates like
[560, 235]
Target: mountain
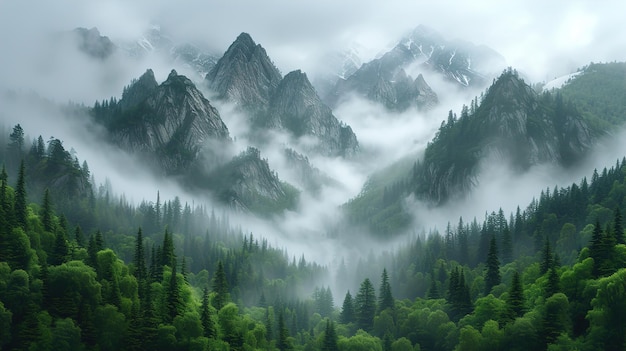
[247, 183]
[93, 44]
[246, 75]
[512, 124]
[598, 90]
[385, 79]
[170, 123]
[296, 108]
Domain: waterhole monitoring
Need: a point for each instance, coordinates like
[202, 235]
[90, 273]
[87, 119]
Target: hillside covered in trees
[81, 268]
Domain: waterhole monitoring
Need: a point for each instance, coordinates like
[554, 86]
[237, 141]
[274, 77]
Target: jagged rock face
[93, 44]
[247, 183]
[512, 125]
[297, 108]
[384, 80]
[245, 75]
[171, 121]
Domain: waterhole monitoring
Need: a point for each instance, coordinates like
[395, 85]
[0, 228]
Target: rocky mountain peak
[244, 75]
[138, 90]
[93, 44]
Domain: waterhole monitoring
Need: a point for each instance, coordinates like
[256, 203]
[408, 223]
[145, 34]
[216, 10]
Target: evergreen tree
[365, 306]
[547, 257]
[330, 337]
[139, 259]
[60, 251]
[515, 300]
[347, 310]
[79, 237]
[385, 298]
[167, 253]
[492, 277]
[618, 228]
[92, 252]
[282, 343]
[507, 246]
[173, 299]
[552, 286]
[20, 198]
[433, 291]
[596, 248]
[205, 316]
[220, 287]
[99, 241]
[46, 212]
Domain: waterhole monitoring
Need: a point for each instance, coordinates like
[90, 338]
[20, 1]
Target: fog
[541, 44]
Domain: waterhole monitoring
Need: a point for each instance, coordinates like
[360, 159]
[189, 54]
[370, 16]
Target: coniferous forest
[81, 268]
[180, 186]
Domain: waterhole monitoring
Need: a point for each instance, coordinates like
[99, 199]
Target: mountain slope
[169, 123]
[246, 76]
[512, 124]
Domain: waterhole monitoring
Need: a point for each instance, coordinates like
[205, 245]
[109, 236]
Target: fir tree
[552, 285]
[20, 198]
[330, 337]
[492, 277]
[282, 343]
[385, 298]
[547, 257]
[99, 241]
[79, 237]
[205, 316]
[167, 253]
[173, 300]
[139, 259]
[60, 251]
[618, 228]
[46, 212]
[347, 310]
[515, 300]
[220, 287]
[433, 291]
[365, 306]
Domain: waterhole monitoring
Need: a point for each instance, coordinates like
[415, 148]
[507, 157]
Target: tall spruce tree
[385, 298]
[552, 285]
[330, 337]
[173, 299]
[547, 257]
[515, 300]
[220, 287]
[433, 291]
[205, 316]
[19, 209]
[282, 343]
[139, 259]
[618, 228]
[492, 276]
[347, 310]
[46, 212]
[365, 306]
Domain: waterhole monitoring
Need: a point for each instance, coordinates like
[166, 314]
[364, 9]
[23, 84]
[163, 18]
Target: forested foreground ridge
[81, 268]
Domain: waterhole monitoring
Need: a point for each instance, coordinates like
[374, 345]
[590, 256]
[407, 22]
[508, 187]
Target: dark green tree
[79, 237]
[330, 337]
[99, 241]
[46, 212]
[618, 228]
[492, 276]
[173, 299]
[365, 306]
[139, 259]
[547, 257]
[60, 251]
[347, 310]
[20, 198]
[433, 291]
[515, 300]
[282, 343]
[385, 298]
[220, 287]
[167, 253]
[205, 316]
[552, 285]
[597, 251]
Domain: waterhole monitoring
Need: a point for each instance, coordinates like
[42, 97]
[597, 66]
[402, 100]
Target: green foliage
[365, 306]
[492, 276]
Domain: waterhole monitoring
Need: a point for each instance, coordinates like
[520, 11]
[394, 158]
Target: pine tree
[139, 259]
[173, 301]
[282, 343]
[205, 316]
[365, 306]
[618, 228]
[547, 261]
[46, 212]
[433, 291]
[492, 277]
[92, 252]
[60, 251]
[347, 310]
[507, 246]
[167, 253]
[220, 287]
[79, 237]
[385, 298]
[99, 241]
[553, 285]
[20, 198]
[330, 337]
[515, 300]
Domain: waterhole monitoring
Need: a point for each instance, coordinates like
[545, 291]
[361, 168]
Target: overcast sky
[541, 39]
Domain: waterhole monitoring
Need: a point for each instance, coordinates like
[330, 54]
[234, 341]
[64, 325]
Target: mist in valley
[39, 59]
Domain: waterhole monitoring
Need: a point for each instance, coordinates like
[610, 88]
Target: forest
[82, 268]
